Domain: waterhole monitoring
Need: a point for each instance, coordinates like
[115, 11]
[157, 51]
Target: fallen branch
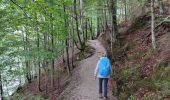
[165, 20]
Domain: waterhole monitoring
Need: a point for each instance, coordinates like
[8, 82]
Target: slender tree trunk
[76, 18]
[161, 7]
[72, 38]
[91, 29]
[98, 27]
[152, 25]
[27, 64]
[1, 88]
[73, 49]
[45, 63]
[105, 18]
[39, 68]
[67, 53]
[81, 18]
[114, 20]
[67, 44]
[52, 68]
[52, 47]
[113, 32]
[125, 3]
[86, 37]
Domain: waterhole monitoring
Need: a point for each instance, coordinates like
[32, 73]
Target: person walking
[103, 72]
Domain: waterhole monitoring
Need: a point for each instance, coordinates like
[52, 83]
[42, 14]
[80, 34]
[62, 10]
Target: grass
[85, 54]
[21, 96]
[130, 46]
[129, 80]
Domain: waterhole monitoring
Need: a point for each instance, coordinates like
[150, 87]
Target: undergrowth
[129, 80]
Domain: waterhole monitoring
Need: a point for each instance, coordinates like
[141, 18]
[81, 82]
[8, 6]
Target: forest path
[83, 86]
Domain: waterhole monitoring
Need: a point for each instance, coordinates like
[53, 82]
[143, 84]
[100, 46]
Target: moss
[130, 46]
[89, 51]
[132, 98]
[163, 64]
[137, 55]
[126, 78]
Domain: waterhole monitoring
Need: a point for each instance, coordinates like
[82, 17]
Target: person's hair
[104, 53]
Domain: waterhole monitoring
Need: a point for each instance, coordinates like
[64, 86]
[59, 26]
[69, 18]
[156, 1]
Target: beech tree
[161, 7]
[153, 25]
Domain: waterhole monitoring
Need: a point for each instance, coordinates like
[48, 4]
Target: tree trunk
[72, 49]
[39, 68]
[114, 20]
[67, 44]
[1, 88]
[81, 19]
[45, 63]
[52, 47]
[86, 37]
[161, 7]
[98, 27]
[76, 18]
[125, 3]
[105, 19]
[91, 29]
[67, 54]
[52, 67]
[152, 25]
[114, 23]
[27, 62]
[72, 39]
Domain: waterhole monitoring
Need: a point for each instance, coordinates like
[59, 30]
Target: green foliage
[132, 98]
[130, 46]
[137, 55]
[126, 78]
[129, 81]
[21, 96]
[28, 30]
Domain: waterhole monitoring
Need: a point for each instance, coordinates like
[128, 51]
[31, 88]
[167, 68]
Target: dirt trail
[83, 86]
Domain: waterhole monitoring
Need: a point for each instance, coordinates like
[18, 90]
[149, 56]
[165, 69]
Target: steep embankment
[140, 71]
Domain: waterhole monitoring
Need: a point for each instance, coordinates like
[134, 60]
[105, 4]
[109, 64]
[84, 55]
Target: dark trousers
[101, 85]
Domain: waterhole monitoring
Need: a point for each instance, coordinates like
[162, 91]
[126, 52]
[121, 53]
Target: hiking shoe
[105, 98]
[100, 95]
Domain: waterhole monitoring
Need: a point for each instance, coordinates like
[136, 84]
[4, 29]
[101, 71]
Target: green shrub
[132, 98]
[130, 46]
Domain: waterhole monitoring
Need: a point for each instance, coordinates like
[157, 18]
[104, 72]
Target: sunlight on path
[83, 85]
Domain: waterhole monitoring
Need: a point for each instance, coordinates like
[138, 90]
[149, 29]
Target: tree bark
[67, 44]
[1, 88]
[27, 62]
[81, 19]
[98, 27]
[72, 49]
[91, 29]
[161, 7]
[53, 48]
[45, 63]
[153, 25]
[39, 68]
[86, 37]
[52, 67]
[125, 3]
[114, 20]
[76, 18]
[67, 54]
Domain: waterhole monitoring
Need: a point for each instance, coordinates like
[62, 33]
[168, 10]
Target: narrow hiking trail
[83, 86]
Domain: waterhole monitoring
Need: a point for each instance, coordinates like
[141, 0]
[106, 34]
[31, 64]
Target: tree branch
[19, 6]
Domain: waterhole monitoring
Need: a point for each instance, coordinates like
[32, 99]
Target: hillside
[140, 72]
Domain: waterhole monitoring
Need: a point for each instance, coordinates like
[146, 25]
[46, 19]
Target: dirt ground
[83, 85]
